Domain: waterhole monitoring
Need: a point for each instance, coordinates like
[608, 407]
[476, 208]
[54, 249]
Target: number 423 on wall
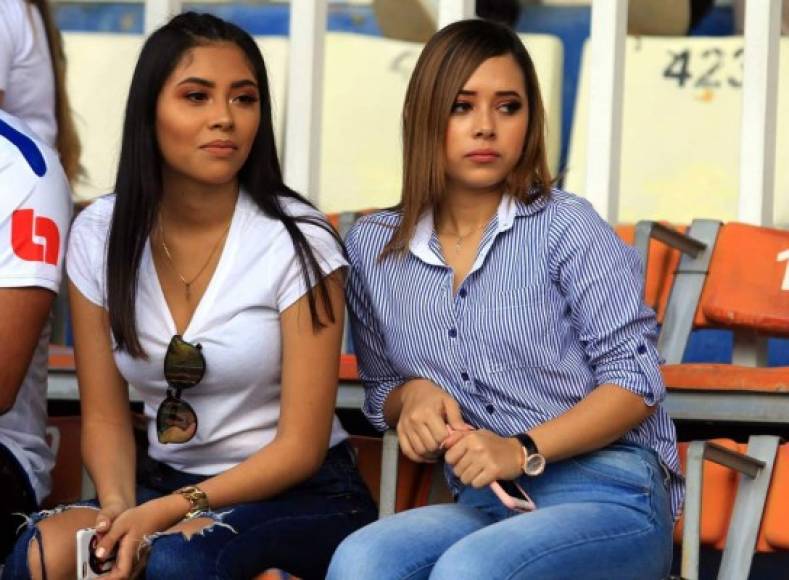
[710, 68]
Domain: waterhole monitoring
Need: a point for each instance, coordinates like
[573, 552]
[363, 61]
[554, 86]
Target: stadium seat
[746, 292]
[774, 533]
[735, 281]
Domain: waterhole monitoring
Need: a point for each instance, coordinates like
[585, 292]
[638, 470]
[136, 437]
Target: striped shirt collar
[424, 242]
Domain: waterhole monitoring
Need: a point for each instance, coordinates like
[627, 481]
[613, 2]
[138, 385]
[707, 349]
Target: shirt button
[463, 293]
[464, 376]
[453, 332]
[490, 408]
[641, 349]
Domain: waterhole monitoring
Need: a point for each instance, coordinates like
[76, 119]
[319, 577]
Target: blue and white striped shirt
[550, 310]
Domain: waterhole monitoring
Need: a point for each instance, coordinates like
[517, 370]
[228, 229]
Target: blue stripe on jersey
[26, 146]
[550, 310]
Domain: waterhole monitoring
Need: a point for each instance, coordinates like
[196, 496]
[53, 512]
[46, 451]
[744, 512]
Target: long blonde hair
[447, 61]
[68, 145]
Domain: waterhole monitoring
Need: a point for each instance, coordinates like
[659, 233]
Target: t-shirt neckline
[225, 259]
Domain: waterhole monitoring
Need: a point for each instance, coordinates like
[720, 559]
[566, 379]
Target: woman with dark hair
[215, 292]
[499, 326]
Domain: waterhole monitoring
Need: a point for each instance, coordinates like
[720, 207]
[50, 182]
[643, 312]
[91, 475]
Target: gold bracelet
[198, 500]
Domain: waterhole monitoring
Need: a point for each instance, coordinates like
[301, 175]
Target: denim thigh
[605, 514]
[17, 498]
[602, 515]
[296, 531]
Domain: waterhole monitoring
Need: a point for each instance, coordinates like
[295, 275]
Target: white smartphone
[88, 565]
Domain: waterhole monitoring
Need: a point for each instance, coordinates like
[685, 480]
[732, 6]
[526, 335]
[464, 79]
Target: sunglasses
[184, 367]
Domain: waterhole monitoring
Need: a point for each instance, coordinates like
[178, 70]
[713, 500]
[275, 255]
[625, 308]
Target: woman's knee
[183, 550]
[48, 543]
[351, 556]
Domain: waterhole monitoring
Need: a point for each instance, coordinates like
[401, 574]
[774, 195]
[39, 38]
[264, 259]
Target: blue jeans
[602, 515]
[296, 531]
[17, 497]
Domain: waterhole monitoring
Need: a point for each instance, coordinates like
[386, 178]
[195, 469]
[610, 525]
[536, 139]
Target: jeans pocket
[620, 464]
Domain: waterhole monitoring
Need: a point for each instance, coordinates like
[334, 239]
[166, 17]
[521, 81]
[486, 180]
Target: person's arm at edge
[108, 447]
[24, 314]
[627, 391]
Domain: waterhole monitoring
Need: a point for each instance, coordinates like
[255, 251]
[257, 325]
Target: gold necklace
[461, 239]
[188, 285]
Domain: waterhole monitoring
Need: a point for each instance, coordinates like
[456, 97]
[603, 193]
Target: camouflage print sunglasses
[184, 367]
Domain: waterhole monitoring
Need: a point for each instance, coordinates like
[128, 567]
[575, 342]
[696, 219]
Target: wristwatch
[198, 500]
[533, 460]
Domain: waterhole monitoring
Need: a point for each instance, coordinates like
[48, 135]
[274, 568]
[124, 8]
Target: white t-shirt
[35, 211]
[26, 74]
[237, 323]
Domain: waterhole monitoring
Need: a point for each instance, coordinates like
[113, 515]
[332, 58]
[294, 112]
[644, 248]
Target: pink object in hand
[518, 504]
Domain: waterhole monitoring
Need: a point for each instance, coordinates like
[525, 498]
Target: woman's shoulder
[568, 202]
[568, 210]
[373, 231]
[298, 208]
[12, 8]
[291, 206]
[97, 216]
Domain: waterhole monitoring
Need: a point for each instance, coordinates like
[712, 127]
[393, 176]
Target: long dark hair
[138, 186]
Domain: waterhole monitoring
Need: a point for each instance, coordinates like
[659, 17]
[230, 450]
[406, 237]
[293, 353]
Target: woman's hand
[109, 511]
[427, 411]
[481, 457]
[129, 528]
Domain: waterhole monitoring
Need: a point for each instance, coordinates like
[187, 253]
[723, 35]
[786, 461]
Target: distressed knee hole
[197, 526]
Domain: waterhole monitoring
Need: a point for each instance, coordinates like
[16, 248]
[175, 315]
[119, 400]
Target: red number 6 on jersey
[24, 226]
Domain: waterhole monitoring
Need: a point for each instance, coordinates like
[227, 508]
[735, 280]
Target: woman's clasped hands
[122, 529]
[431, 424]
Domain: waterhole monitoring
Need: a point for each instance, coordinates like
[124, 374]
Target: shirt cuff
[638, 373]
[375, 395]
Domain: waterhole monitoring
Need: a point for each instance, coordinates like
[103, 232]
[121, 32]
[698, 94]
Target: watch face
[535, 464]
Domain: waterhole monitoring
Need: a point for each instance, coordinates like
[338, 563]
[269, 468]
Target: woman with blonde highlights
[499, 328]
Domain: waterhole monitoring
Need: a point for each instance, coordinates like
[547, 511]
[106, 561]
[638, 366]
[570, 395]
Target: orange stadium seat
[748, 286]
[718, 491]
[745, 291]
[774, 533]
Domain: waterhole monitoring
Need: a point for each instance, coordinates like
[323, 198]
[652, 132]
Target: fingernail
[101, 525]
[100, 552]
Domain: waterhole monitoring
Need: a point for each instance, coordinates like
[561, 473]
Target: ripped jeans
[296, 531]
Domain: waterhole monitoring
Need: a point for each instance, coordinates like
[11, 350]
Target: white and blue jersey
[35, 211]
